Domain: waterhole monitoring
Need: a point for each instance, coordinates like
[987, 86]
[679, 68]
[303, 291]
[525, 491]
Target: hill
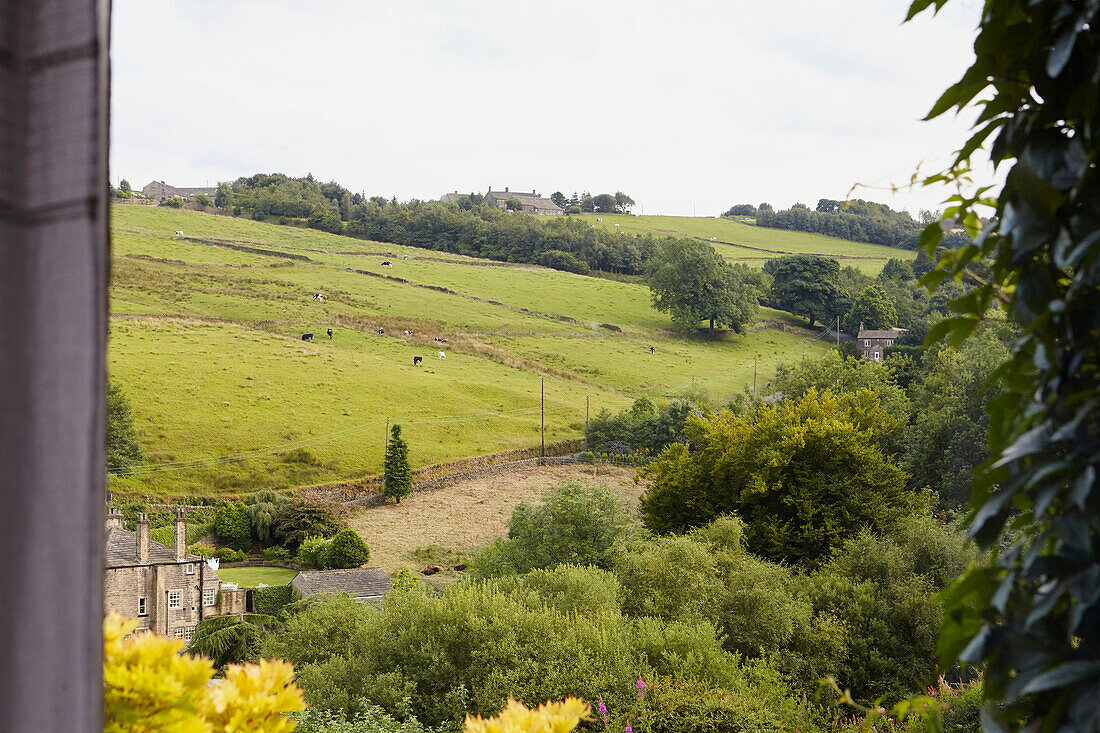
[740, 241]
[205, 337]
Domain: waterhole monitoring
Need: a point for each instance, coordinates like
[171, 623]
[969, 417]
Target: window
[890, 342]
[173, 599]
[866, 342]
[143, 607]
[209, 595]
[189, 568]
[876, 356]
[188, 632]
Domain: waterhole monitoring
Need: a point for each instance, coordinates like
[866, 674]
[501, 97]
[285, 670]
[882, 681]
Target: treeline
[468, 227]
[855, 220]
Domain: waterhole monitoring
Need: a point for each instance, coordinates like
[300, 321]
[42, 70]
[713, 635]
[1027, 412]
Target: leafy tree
[806, 285]
[202, 199]
[741, 210]
[898, 270]
[513, 204]
[123, 448]
[346, 550]
[223, 197]
[396, 474]
[623, 203]
[233, 526]
[124, 185]
[564, 261]
[689, 280]
[873, 309]
[559, 199]
[326, 220]
[604, 203]
[263, 507]
[804, 476]
[298, 519]
[1031, 612]
[231, 639]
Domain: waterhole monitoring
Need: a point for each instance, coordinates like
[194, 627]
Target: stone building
[531, 203]
[161, 191]
[168, 590]
[874, 343]
[362, 584]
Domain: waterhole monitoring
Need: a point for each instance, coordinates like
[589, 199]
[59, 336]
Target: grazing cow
[431, 570]
[418, 360]
[179, 233]
[442, 356]
[307, 337]
[599, 219]
[460, 567]
[408, 332]
[387, 263]
[381, 332]
[652, 349]
[330, 333]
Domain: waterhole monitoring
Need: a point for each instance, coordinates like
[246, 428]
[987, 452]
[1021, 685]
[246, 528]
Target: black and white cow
[381, 332]
[418, 360]
[307, 337]
[330, 333]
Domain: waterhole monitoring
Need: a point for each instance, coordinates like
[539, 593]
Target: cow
[408, 332]
[460, 567]
[330, 333]
[440, 341]
[442, 356]
[381, 332]
[653, 349]
[431, 570]
[179, 233]
[307, 337]
[418, 360]
[406, 257]
[387, 263]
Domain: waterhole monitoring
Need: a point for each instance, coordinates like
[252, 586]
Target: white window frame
[179, 632]
[866, 342]
[188, 632]
[143, 606]
[178, 599]
[209, 596]
[189, 568]
[876, 356]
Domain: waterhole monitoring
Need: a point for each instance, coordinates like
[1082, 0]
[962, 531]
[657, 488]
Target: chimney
[505, 189]
[181, 534]
[143, 528]
[114, 518]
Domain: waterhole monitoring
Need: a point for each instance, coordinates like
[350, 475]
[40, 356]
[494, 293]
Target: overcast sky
[687, 106]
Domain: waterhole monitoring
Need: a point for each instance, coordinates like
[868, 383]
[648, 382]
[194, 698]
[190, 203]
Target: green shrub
[347, 550]
[165, 535]
[263, 508]
[270, 600]
[312, 552]
[369, 719]
[202, 550]
[396, 474]
[174, 202]
[298, 519]
[233, 526]
[228, 554]
[277, 554]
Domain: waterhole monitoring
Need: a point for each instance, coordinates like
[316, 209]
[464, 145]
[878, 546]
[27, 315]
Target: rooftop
[357, 582]
[121, 550]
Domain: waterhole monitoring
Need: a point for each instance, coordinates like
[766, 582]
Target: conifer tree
[396, 476]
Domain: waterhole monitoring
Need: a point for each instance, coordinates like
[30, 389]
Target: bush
[312, 552]
[347, 550]
[228, 554]
[263, 508]
[202, 550]
[175, 202]
[123, 448]
[369, 719]
[233, 526]
[270, 600]
[202, 199]
[277, 554]
[298, 519]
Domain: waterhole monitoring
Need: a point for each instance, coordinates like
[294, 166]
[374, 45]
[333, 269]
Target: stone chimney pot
[143, 530]
[181, 534]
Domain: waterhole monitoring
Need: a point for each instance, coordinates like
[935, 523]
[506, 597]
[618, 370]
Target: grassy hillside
[741, 242]
[227, 397]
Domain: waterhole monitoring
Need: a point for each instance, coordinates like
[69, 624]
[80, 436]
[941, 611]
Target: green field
[252, 577]
[741, 242]
[228, 399]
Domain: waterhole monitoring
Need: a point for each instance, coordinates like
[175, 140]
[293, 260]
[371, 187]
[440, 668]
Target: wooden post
[542, 388]
[586, 422]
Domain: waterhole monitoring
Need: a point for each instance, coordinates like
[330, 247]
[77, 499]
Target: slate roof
[529, 199]
[357, 582]
[891, 334]
[121, 550]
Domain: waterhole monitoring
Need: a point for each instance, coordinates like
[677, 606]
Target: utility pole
[387, 432]
[754, 376]
[803, 353]
[542, 389]
[586, 422]
[838, 333]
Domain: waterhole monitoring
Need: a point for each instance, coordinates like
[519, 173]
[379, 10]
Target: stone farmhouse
[874, 343]
[161, 191]
[168, 590]
[362, 584]
[532, 203]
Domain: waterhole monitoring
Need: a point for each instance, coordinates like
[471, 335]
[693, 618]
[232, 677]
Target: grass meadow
[228, 399]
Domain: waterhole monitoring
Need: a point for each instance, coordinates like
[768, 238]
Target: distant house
[362, 584]
[161, 191]
[452, 198]
[874, 343]
[531, 203]
[168, 590]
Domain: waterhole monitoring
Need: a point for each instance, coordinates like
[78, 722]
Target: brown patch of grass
[450, 522]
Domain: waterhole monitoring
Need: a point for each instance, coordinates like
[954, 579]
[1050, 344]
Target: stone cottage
[168, 590]
[160, 191]
[531, 203]
[362, 584]
[874, 343]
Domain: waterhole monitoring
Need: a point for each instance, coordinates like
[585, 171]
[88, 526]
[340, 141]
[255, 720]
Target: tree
[298, 519]
[604, 203]
[1030, 613]
[233, 526]
[123, 448]
[346, 550]
[689, 280]
[396, 474]
[872, 309]
[223, 197]
[514, 204]
[124, 185]
[804, 476]
[559, 199]
[263, 507]
[806, 285]
[898, 270]
[741, 210]
[231, 639]
[623, 203]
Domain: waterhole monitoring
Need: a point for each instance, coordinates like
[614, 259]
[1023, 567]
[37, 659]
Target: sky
[688, 106]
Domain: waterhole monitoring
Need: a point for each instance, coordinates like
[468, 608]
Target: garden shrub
[277, 554]
[263, 508]
[202, 550]
[271, 600]
[312, 552]
[346, 550]
[298, 519]
[228, 554]
[233, 526]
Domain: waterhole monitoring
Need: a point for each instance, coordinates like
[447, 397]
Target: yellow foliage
[551, 717]
[149, 686]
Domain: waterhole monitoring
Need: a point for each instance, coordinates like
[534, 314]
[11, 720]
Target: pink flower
[641, 688]
[628, 729]
[603, 711]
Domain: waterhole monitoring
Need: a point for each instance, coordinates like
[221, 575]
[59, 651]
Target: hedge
[271, 600]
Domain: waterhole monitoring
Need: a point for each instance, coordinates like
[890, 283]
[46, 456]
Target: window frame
[189, 568]
[178, 602]
[143, 606]
[213, 596]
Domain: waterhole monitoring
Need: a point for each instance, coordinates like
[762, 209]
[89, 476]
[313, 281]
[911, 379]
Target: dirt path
[440, 527]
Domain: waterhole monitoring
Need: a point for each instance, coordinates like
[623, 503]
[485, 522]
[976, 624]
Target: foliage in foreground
[550, 717]
[1031, 615]
[149, 686]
